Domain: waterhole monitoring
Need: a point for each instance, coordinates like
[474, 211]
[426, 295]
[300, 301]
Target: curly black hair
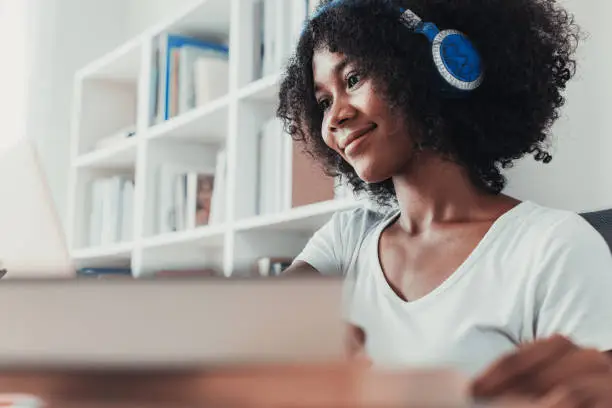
[527, 48]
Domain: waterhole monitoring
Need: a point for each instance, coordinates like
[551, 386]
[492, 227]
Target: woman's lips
[355, 138]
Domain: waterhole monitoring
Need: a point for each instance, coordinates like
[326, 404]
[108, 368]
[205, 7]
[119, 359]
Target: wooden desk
[315, 386]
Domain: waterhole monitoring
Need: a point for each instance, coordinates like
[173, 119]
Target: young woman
[452, 272]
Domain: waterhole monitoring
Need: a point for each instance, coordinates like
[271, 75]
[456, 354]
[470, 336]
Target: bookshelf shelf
[120, 156]
[308, 218]
[108, 255]
[264, 89]
[158, 179]
[121, 65]
[209, 237]
[206, 124]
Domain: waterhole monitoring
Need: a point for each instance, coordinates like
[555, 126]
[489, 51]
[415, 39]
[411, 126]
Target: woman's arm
[300, 268]
[568, 364]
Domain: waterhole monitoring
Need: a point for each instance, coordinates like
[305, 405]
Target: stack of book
[186, 73]
[288, 176]
[111, 216]
[105, 273]
[191, 196]
[278, 25]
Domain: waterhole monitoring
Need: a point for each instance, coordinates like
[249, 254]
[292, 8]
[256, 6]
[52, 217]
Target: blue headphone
[457, 61]
[454, 55]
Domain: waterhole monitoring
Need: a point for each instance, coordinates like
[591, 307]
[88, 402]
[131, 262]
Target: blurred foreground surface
[313, 386]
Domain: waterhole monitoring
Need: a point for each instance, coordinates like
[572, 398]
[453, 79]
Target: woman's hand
[553, 371]
[355, 343]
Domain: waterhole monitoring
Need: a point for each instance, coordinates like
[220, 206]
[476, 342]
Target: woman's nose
[341, 112]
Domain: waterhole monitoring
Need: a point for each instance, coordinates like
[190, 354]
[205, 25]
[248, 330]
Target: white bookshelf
[114, 92]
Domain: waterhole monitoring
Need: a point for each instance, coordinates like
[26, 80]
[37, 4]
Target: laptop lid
[32, 241]
[160, 324]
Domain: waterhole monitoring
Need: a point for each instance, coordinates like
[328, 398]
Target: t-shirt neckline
[497, 226]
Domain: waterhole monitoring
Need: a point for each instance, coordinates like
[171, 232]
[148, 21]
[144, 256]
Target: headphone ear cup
[457, 60]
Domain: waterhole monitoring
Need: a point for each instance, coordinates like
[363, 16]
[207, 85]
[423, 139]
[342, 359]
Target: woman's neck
[434, 191]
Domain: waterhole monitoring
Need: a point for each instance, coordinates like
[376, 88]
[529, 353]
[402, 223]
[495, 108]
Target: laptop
[51, 319]
[32, 242]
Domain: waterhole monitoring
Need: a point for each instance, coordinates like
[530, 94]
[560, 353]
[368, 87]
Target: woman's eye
[352, 80]
[324, 104]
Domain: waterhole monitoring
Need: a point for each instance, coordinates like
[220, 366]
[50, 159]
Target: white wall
[13, 72]
[143, 14]
[64, 36]
[580, 176]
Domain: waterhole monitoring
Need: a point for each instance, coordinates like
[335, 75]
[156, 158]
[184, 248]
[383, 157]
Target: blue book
[93, 272]
[169, 43]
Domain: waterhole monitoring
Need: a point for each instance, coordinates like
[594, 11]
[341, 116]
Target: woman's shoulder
[361, 220]
[560, 223]
[557, 229]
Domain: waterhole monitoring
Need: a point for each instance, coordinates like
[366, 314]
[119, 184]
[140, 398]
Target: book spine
[127, 219]
[180, 201]
[258, 38]
[173, 91]
[154, 86]
[164, 200]
[171, 46]
[162, 77]
[192, 200]
[95, 220]
[185, 81]
[116, 207]
[211, 79]
[217, 205]
[270, 45]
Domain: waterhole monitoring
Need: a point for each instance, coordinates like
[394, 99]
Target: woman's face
[357, 123]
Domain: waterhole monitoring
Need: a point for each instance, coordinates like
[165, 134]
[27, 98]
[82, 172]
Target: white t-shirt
[537, 272]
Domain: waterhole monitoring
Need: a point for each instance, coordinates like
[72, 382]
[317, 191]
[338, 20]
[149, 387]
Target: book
[184, 195]
[276, 31]
[154, 85]
[170, 197]
[127, 212]
[111, 210]
[300, 17]
[104, 273]
[170, 47]
[172, 96]
[270, 37]
[271, 167]
[288, 176]
[205, 184]
[210, 81]
[258, 37]
[217, 205]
